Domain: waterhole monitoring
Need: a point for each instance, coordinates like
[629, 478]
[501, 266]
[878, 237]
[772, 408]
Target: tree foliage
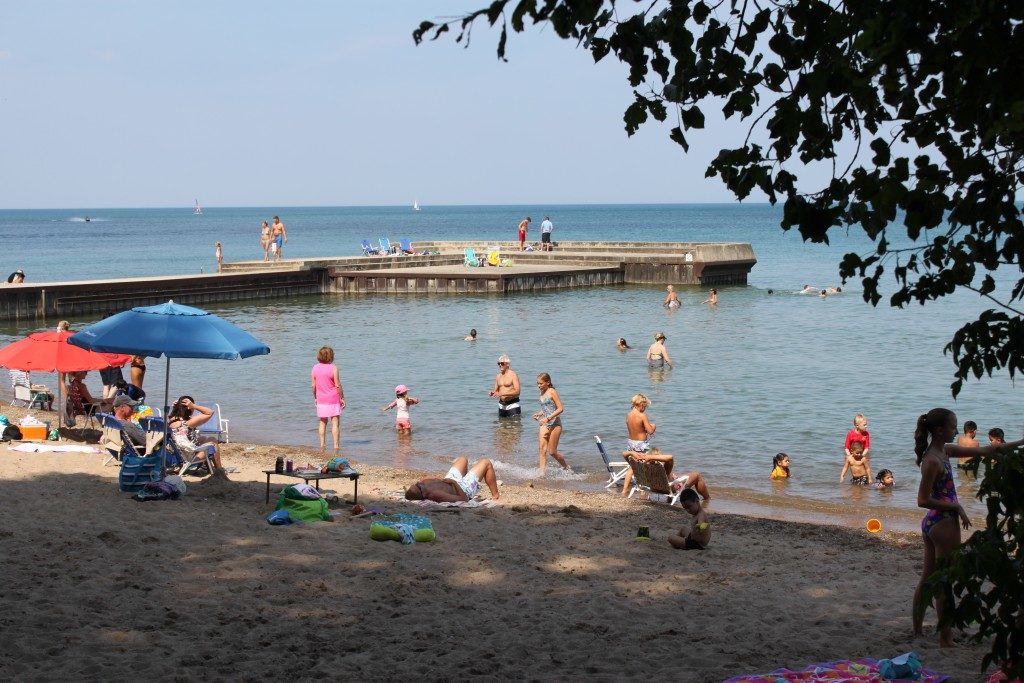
[986, 574]
[917, 108]
[915, 105]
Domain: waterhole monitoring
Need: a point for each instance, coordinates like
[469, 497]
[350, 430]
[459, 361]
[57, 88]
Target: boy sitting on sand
[858, 464]
[700, 528]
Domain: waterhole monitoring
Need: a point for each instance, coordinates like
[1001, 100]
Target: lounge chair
[137, 469]
[369, 249]
[616, 470]
[195, 462]
[385, 245]
[405, 246]
[24, 392]
[217, 426]
[649, 477]
[471, 260]
[114, 439]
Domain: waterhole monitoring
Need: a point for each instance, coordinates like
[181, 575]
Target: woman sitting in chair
[184, 421]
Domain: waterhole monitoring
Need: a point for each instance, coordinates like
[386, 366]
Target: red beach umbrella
[50, 352]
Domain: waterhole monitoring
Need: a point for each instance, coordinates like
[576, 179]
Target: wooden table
[316, 477]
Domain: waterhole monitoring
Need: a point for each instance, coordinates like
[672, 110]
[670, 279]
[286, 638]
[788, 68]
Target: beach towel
[844, 670]
[403, 527]
[52, 448]
[478, 502]
[301, 509]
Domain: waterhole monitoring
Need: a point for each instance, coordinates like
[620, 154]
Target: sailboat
[415, 205]
[198, 210]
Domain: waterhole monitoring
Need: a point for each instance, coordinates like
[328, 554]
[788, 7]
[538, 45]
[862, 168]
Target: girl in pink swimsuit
[937, 493]
[328, 395]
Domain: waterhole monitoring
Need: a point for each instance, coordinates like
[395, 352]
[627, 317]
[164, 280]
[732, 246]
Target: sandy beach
[550, 585]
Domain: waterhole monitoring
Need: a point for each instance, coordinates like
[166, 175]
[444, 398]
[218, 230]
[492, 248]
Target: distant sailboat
[198, 210]
[415, 205]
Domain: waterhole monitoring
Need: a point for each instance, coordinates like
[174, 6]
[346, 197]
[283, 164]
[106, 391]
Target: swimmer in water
[808, 289]
[621, 344]
[671, 298]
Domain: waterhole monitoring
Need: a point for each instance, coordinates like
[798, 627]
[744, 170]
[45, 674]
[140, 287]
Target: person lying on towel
[459, 485]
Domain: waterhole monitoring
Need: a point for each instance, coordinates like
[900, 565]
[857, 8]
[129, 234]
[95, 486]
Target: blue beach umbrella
[169, 330]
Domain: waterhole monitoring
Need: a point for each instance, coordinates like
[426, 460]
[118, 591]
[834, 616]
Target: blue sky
[114, 103]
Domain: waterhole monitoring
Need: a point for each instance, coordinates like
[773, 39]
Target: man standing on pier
[279, 236]
[523, 225]
[545, 234]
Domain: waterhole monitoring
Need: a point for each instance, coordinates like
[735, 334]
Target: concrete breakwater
[571, 264]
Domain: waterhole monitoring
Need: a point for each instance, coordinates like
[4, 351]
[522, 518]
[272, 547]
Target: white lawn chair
[616, 470]
[21, 383]
[217, 426]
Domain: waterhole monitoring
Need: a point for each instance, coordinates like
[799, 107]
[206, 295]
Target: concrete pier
[442, 271]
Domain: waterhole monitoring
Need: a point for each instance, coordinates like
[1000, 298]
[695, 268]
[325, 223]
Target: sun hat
[124, 400]
[401, 389]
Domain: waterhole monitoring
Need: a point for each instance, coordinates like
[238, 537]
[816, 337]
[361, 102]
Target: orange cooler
[39, 432]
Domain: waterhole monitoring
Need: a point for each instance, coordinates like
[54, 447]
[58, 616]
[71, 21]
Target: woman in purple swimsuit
[937, 493]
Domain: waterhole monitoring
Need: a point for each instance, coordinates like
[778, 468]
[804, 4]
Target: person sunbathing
[184, 421]
[459, 485]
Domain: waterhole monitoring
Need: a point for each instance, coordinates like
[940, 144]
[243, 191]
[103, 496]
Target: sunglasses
[502, 363]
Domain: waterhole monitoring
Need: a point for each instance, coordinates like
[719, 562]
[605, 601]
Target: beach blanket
[844, 670]
[478, 502]
[52, 448]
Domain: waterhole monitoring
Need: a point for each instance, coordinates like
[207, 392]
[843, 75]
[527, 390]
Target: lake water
[758, 374]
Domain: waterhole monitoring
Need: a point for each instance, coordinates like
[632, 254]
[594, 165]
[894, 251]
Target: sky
[154, 104]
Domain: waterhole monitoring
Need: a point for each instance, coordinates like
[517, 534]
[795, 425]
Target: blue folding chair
[471, 260]
[369, 249]
[137, 469]
[405, 246]
[198, 462]
[385, 245]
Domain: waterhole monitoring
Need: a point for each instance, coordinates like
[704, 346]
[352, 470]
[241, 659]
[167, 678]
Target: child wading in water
[780, 467]
[699, 534]
[402, 402]
[550, 420]
[858, 464]
[884, 480]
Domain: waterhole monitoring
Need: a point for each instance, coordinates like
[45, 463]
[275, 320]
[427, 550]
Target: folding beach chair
[195, 462]
[405, 246]
[471, 259]
[385, 245]
[649, 477]
[369, 249]
[137, 469]
[616, 470]
[21, 383]
[217, 427]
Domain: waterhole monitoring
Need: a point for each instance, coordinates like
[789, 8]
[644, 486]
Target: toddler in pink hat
[402, 402]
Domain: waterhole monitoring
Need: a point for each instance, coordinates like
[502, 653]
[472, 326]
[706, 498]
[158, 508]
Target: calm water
[759, 374]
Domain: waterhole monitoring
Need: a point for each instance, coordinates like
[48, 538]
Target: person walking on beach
[546, 227]
[265, 240]
[218, 253]
[657, 354]
[549, 417]
[937, 493]
[506, 388]
[280, 236]
[328, 395]
[523, 227]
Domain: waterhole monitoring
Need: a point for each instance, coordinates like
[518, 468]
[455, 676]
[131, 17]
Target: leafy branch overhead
[916, 107]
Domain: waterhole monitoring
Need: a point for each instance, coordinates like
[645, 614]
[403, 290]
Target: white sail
[415, 205]
[198, 210]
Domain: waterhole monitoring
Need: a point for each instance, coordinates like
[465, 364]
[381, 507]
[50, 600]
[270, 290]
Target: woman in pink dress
[328, 394]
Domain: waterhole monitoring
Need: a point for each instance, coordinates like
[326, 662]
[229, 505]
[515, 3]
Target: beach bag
[302, 509]
[136, 472]
[11, 432]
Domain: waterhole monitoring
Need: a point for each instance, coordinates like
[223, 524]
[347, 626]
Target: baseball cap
[401, 389]
[124, 400]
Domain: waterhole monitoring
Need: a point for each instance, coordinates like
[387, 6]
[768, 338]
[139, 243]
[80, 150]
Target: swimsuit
[674, 303]
[508, 406]
[945, 490]
[468, 482]
[779, 473]
[638, 446]
[656, 361]
[692, 544]
[862, 480]
[548, 406]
